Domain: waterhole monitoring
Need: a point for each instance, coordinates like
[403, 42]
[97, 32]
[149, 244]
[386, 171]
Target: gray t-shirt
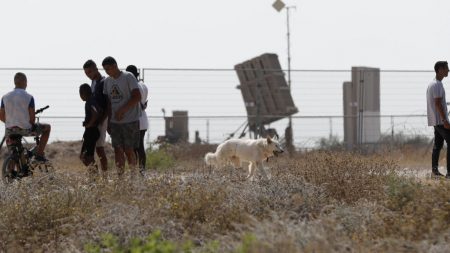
[435, 90]
[17, 104]
[119, 93]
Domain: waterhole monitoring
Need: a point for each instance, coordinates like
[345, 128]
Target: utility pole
[207, 131]
[290, 145]
[279, 6]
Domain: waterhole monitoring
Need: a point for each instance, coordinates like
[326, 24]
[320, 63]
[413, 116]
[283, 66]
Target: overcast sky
[326, 34]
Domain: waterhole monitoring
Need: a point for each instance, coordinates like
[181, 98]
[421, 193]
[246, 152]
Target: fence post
[207, 130]
[331, 127]
[392, 129]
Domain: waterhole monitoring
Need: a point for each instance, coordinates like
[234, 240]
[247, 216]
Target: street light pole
[279, 6]
[289, 72]
[288, 45]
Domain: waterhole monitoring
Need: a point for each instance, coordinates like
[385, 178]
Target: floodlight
[278, 5]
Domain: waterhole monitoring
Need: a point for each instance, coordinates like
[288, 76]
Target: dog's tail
[210, 158]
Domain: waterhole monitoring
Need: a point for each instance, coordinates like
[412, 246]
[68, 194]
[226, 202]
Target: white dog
[244, 150]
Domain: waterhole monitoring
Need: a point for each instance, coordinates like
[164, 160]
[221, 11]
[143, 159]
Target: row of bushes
[396, 140]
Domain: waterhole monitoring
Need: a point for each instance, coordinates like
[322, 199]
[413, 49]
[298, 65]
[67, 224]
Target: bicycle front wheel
[10, 169]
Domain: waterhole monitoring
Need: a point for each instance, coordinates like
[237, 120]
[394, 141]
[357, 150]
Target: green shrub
[248, 242]
[401, 191]
[401, 139]
[251, 244]
[152, 244]
[331, 143]
[159, 159]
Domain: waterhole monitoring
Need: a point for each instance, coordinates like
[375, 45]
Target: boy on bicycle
[90, 123]
[18, 113]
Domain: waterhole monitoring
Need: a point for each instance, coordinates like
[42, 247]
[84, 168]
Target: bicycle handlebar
[41, 109]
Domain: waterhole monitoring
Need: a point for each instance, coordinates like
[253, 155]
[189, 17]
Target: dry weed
[314, 202]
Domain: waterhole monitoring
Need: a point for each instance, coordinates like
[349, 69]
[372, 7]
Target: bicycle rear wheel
[10, 169]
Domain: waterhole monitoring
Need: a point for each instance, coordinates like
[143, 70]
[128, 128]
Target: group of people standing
[114, 104]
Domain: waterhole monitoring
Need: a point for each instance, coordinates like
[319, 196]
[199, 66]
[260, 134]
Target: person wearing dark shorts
[97, 83]
[124, 111]
[91, 131]
[143, 120]
[90, 137]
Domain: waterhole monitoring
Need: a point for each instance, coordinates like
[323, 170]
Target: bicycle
[19, 163]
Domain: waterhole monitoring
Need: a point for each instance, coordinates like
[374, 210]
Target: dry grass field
[320, 201]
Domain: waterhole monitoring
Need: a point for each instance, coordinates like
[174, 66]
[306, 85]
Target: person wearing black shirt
[90, 123]
[91, 71]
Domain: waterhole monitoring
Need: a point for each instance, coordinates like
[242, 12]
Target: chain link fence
[216, 108]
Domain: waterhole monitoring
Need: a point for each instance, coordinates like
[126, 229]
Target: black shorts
[90, 137]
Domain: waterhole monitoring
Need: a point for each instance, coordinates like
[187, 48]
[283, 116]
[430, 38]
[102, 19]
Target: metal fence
[216, 108]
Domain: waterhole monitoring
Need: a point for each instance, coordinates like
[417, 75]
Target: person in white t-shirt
[438, 116]
[143, 120]
[18, 112]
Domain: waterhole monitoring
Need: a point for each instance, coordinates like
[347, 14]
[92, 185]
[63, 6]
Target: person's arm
[144, 96]
[31, 111]
[133, 101]
[103, 103]
[108, 106]
[2, 114]
[32, 114]
[104, 112]
[440, 109]
[109, 113]
[94, 117]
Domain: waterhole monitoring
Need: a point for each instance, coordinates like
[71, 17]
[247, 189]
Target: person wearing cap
[97, 83]
[124, 111]
[143, 120]
[437, 115]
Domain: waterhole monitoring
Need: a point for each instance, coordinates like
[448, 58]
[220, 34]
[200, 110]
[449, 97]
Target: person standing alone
[438, 116]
